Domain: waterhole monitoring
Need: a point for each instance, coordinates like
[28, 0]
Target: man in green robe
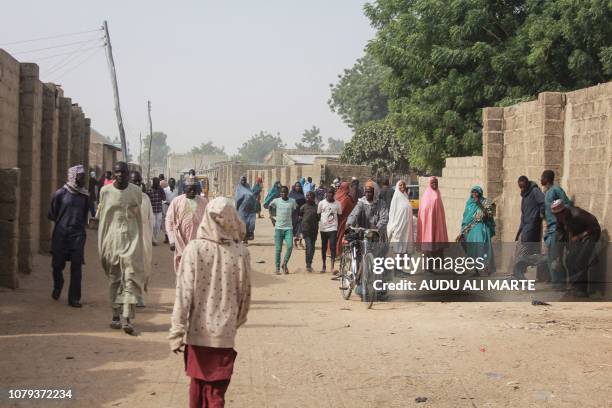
[120, 246]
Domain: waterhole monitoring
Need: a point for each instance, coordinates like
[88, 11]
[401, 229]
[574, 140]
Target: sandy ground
[303, 346]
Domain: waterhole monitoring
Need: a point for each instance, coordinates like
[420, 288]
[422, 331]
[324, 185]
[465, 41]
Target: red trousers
[207, 394]
[210, 370]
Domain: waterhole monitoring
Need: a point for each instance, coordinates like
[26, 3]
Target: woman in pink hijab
[431, 223]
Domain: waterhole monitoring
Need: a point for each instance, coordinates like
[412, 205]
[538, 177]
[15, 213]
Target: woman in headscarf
[346, 196]
[478, 228]
[257, 189]
[297, 193]
[213, 293]
[272, 194]
[245, 203]
[399, 228]
[432, 235]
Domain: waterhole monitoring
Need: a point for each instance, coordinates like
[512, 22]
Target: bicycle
[357, 262]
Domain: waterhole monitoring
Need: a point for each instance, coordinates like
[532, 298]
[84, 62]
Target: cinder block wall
[77, 143]
[30, 123]
[64, 140]
[9, 227]
[587, 167]
[48, 160]
[459, 175]
[9, 110]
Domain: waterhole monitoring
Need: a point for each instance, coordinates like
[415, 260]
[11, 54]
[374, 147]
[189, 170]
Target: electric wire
[65, 61]
[57, 46]
[63, 75]
[67, 53]
[50, 37]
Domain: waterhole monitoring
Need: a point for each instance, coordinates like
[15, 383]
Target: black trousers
[310, 240]
[74, 291]
[328, 237]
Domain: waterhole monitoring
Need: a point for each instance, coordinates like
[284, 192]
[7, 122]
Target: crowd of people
[305, 211]
[209, 241]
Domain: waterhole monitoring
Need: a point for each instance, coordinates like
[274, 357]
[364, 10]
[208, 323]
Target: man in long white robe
[120, 246]
[148, 223]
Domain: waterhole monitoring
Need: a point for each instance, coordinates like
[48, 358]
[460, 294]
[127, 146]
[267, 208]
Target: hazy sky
[213, 70]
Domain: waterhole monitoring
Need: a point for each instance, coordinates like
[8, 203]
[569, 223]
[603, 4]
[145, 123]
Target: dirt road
[305, 347]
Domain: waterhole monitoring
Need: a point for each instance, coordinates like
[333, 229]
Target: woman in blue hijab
[246, 204]
[478, 228]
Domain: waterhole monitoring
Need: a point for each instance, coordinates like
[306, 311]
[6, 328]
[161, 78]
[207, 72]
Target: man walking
[283, 229]
[120, 245]
[171, 192]
[552, 193]
[529, 233]
[310, 221]
[157, 196]
[329, 210]
[183, 218]
[93, 193]
[148, 222]
[68, 210]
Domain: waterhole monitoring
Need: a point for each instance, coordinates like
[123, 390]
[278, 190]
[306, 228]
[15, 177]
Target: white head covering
[221, 222]
[399, 228]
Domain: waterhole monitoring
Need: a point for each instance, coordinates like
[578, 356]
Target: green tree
[449, 59]
[257, 147]
[335, 145]
[208, 148]
[159, 151]
[358, 96]
[311, 140]
[376, 144]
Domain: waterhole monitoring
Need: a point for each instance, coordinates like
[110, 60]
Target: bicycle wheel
[367, 280]
[346, 278]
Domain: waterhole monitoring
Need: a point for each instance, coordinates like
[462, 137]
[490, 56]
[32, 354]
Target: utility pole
[113, 73]
[150, 140]
[140, 150]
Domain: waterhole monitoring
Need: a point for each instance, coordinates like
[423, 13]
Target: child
[206, 316]
[283, 230]
[329, 210]
[310, 221]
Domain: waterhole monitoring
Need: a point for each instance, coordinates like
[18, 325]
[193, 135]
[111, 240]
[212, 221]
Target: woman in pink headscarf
[431, 223]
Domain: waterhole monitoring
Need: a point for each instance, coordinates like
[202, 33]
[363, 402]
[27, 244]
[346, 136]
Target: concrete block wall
[459, 175]
[86, 141]
[35, 141]
[30, 123]
[9, 110]
[9, 227]
[64, 140]
[48, 160]
[587, 147]
[77, 142]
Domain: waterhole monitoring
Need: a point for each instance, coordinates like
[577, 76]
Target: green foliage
[449, 59]
[358, 96]
[335, 145]
[257, 147]
[159, 150]
[208, 148]
[311, 140]
[377, 144]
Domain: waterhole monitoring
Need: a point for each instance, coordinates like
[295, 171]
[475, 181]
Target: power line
[58, 46]
[91, 55]
[50, 37]
[65, 61]
[68, 53]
